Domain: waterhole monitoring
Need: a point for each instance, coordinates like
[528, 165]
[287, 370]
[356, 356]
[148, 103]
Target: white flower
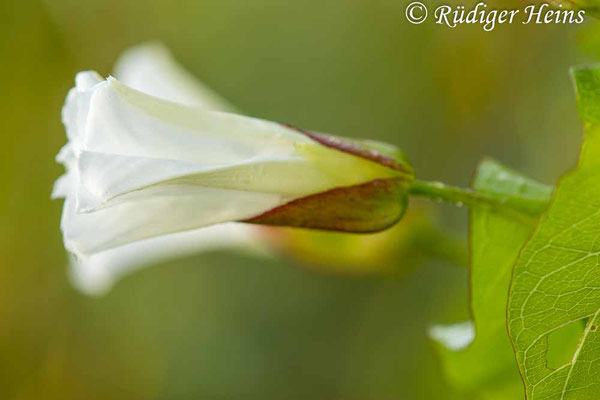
[140, 167]
[150, 68]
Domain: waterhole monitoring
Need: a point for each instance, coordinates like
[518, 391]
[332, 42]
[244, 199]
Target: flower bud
[140, 167]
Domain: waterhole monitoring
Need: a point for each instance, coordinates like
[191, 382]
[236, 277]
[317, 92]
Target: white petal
[455, 336]
[127, 122]
[105, 178]
[96, 274]
[75, 111]
[166, 209]
[66, 155]
[63, 186]
[86, 80]
[150, 68]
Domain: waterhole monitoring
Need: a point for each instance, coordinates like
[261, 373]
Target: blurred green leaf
[556, 278]
[487, 369]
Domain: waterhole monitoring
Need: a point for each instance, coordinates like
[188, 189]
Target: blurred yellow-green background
[224, 325]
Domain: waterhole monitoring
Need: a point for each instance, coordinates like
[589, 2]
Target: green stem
[452, 194]
[441, 192]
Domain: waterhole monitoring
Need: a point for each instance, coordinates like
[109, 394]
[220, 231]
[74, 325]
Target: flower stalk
[438, 191]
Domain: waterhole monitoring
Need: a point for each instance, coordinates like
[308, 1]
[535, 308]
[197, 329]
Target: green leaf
[486, 369]
[556, 280]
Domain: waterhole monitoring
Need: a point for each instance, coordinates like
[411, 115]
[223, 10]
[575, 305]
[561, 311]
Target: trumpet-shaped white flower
[140, 167]
[150, 68]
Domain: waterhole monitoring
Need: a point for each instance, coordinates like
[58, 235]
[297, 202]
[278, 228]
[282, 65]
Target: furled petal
[165, 209]
[170, 167]
[62, 187]
[75, 112]
[127, 122]
[106, 178]
[150, 69]
[140, 167]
